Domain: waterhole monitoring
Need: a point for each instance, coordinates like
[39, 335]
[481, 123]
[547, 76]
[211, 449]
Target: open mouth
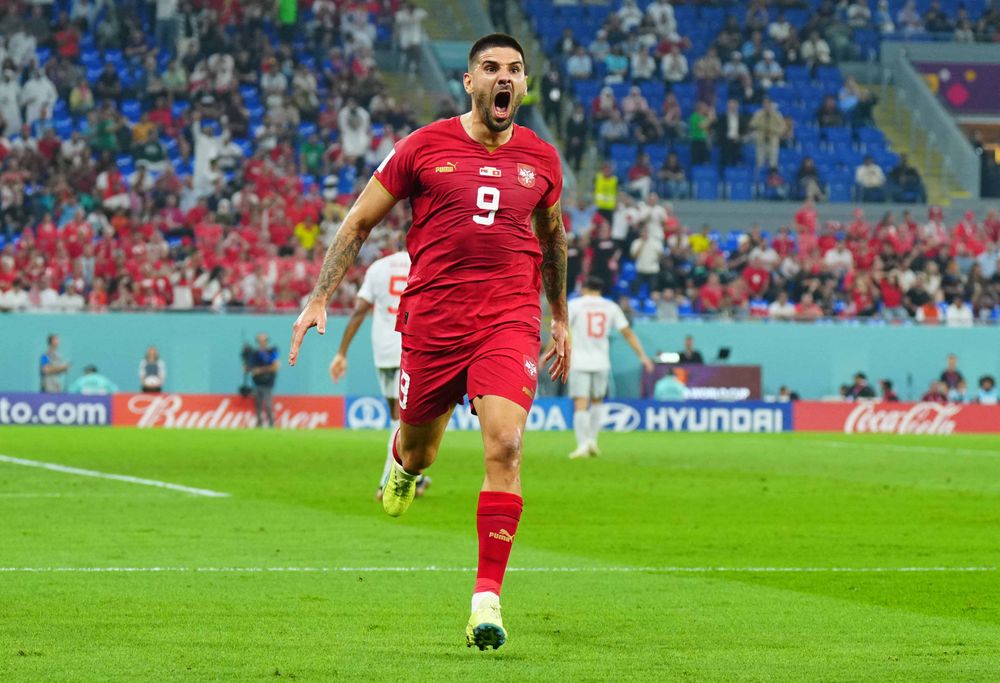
[501, 104]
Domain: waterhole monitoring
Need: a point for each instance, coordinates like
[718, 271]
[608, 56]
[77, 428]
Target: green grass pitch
[663, 502]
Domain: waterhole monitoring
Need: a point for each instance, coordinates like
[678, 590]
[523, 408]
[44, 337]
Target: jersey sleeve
[618, 318]
[367, 289]
[397, 172]
[555, 178]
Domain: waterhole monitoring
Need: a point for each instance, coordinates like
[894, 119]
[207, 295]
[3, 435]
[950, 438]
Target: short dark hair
[494, 40]
[594, 283]
[51, 336]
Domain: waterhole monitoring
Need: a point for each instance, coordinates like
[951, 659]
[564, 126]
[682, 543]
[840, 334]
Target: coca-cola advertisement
[220, 411]
[868, 417]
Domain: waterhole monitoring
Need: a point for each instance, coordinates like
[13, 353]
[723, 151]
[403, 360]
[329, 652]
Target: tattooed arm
[370, 208]
[552, 239]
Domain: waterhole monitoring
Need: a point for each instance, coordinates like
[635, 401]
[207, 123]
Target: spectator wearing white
[48, 296]
[768, 126]
[38, 96]
[12, 296]
[958, 313]
[766, 255]
[870, 179]
[273, 82]
[661, 13]
[883, 19]
[839, 260]
[355, 130]
[816, 50]
[781, 308]
[152, 372]
[305, 91]
[642, 65]
[630, 15]
[651, 214]
[10, 102]
[768, 72]
[579, 65]
[780, 29]
[21, 49]
[206, 151]
[674, 65]
[735, 70]
[356, 31]
[72, 300]
[859, 15]
[222, 71]
[167, 24]
[599, 47]
[74, 149]
[647, 250]
[410, 34]
[624, 217]
[634, 102]
[908, 19]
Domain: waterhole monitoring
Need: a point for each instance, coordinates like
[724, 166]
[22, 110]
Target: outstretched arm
[370, 208]
[636, 345]
[338, 366]
[552, 239]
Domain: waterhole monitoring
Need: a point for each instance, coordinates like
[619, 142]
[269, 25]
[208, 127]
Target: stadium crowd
[896, 268]
[188, 154]
[753, 87]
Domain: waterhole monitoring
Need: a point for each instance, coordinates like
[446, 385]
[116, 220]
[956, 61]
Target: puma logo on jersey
[491, 171]
[502, 535]
[449, 167]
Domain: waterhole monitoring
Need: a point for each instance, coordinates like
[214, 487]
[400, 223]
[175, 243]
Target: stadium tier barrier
[202, 352]
[214, 411]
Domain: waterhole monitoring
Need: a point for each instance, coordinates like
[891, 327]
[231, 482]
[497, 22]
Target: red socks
[496, 521]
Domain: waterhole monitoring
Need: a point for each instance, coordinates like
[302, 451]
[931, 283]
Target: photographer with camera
[262, 366]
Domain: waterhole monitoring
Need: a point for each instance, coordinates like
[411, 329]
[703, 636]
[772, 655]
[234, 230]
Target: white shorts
[388, 382]
[587, 384]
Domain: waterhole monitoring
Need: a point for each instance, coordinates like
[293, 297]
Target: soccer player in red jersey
[487, 234]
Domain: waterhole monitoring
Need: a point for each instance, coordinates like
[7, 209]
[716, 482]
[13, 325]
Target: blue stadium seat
[739, 183]
[797, 74]
[829, 76]
[869, 137]
[838, 136]
[132, 109]
[808, 140]
[627, 272]
[705, 187]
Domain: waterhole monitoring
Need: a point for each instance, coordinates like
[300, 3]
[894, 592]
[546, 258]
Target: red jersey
[475, 258]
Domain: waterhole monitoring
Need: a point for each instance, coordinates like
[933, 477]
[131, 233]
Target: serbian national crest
[530, 367]
[526, 175]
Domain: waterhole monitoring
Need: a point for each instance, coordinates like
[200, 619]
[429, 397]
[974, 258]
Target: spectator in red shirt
[888, 395]
[937, 393]
[892, 296]
[710, 295]
[807, 309]
[756, 278]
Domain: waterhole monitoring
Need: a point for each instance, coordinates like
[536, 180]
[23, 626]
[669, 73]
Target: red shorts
[503, 363]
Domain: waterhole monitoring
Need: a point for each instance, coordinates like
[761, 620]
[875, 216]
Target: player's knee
[504, 449]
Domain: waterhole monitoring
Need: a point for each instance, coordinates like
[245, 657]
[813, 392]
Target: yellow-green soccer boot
[399, 490]
[485, 627]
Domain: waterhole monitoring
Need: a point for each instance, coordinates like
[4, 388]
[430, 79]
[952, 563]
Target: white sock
[393, 426]
[596, 420]
[478, 599]
[581, 426]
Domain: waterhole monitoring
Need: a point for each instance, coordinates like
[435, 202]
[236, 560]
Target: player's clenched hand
[338, 367]
[313, 315]
[559, 369]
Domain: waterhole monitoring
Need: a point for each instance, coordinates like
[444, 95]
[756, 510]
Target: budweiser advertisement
[220, 411]
[867, 417]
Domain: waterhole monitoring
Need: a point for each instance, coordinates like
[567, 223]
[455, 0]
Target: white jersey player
[384, 281]
[592, 318]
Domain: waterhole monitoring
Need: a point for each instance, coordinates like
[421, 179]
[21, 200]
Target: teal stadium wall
[202, 351]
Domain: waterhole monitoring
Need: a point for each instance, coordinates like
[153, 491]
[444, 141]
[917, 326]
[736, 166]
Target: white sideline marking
[581, 570]
[117, 477]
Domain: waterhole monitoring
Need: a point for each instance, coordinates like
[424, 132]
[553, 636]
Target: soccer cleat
[399, 491]
[485, 627]
[423, 484]
[592, 449]
[580, 452]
